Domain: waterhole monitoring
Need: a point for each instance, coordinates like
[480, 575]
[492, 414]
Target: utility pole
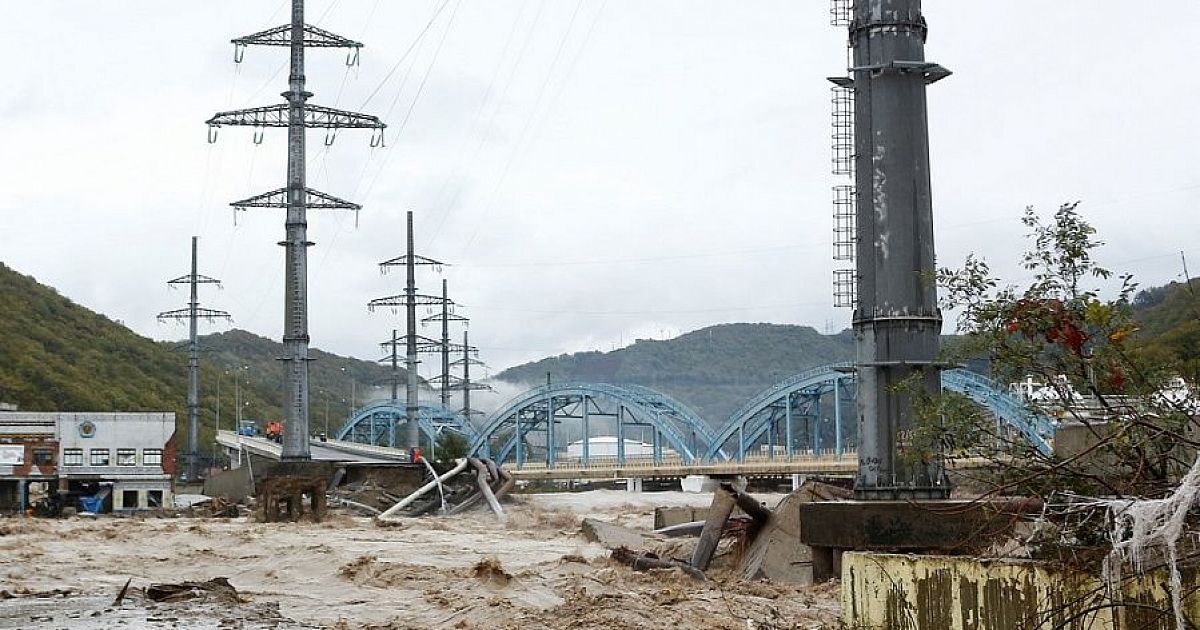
[896, 320]
[296, 115]
[192, 313]
[413, 342]
[446, 316]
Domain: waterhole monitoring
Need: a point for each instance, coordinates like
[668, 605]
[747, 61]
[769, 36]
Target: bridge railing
[646, 463]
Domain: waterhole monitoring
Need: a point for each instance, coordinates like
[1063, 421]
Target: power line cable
[447, 208]
[405, 55]
[416, 99]
[525, 130]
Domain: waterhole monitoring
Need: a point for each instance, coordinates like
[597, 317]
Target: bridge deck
[331, 451]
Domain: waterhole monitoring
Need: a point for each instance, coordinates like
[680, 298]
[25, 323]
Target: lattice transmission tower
[193, 313]
[445, 379]
[464, 384]
[297, 116]
[413, 343]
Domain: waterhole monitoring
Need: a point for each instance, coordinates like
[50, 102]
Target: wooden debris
[710, 535]
[645, 561]
[121, 595]
[218, 589]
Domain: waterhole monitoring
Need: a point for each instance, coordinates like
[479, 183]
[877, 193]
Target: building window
[72, 457]
[99, 457]
[154, 499]
[43, 457]
[152, 457]
[127, 457]
[129, 499]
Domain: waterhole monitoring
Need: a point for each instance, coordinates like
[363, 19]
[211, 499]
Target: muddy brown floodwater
[347, 573]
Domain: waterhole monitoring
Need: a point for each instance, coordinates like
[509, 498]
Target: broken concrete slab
[777, 553]
[667, 516]
[234, 484]
[612, 536]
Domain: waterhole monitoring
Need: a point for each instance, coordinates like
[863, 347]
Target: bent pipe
[390, 514]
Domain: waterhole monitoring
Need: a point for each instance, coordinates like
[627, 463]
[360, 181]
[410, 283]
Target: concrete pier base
[950, 526]
[699, 484]
[633, 484]
[797, 481]
[290, 491]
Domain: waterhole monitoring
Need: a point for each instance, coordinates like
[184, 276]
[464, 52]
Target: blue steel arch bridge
[811, 414]
[378, 424]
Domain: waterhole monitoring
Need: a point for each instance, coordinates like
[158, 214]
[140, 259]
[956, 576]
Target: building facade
[117, 461]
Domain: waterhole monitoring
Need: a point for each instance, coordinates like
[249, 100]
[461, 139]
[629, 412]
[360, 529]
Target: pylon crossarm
[472, 386]
[398, 301]
[282, 36]
[401, 261]
[185, 313]
[454, 347]
[403, 339]
[315, 117]
[473, 361]
[314, 200]
[451, 380]
[200, 279]
[450, 317]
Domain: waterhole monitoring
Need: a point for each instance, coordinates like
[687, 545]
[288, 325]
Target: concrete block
[232, 484]
[777, 553]
[942, 592]
[899, 525]
[611, 536]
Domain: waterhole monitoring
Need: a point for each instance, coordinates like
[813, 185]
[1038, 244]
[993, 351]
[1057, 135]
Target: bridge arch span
[817, 409]
[380, 423]
[541, 423]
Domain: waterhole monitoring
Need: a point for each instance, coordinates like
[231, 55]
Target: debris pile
[217, 589]
[758, 542]
[470, 483]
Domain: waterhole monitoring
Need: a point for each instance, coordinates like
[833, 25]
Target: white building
[606, 446]
[129, 457]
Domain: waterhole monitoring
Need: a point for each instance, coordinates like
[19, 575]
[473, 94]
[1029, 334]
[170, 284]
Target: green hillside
[713, 370]
[1170, 326]
[56, 355]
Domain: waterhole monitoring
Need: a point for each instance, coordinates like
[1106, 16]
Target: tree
[1131, 477]
[451, 445]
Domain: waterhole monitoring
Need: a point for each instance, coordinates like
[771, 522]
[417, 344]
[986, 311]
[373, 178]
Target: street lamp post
[353, 388]
[219, 400]
[237, 396]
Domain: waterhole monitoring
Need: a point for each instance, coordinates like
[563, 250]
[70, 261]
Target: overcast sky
[593, 170]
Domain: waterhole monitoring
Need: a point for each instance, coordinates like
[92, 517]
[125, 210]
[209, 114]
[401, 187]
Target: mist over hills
[713, 370]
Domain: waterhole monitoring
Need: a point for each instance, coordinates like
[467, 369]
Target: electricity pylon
[297, 116]
[413, 342]
[447, 315]
[192, 313]
[464, 383]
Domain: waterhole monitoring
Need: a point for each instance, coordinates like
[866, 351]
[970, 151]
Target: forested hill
[1170, 326]
[56, 355]
[713, 370]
